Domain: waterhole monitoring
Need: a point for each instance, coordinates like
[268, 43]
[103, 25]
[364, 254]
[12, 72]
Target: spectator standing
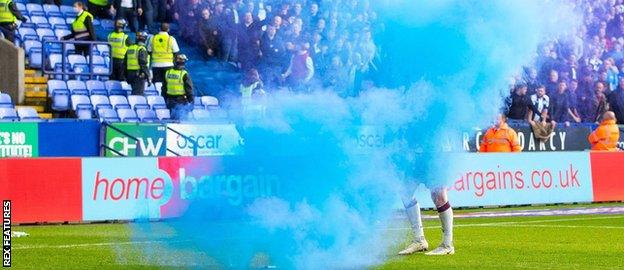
[301, 69]
[607, 135]
[8, 16]
[272, 57]
[210, 34]
[249, 35]
[519, 104]
[178, 88]
[559, 104]
[573, 101]
[146, 19]
[553, 82]
[230, 32]
[162, 47]
[128, 10]
[616, 102]
[540, 103]
[137, 62]
[82, 29]
[500, 138]
[119, 43]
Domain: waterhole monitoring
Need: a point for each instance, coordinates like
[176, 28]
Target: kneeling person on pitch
[177, 88]
[137, 62]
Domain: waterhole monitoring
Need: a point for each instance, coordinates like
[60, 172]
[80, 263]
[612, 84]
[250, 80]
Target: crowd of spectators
[578, 77]
[298, 44]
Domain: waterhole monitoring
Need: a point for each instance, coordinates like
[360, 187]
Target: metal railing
[137, 152]
[104, 147]
[51, 47]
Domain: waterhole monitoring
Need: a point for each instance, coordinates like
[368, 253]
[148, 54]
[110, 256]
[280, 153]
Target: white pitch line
[508, 223]
[95, 244]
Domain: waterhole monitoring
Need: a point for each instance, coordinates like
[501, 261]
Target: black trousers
[137, 83]
[8, 30]
[100, 12]
[160, 10]
[130, 15]
[159, 74]
[119, 68]
[179, 107]
[146, 21]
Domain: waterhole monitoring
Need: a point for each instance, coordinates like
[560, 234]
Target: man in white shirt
[162, 48]
[128, 10]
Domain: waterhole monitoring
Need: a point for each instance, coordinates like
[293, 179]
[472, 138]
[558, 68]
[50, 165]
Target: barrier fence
[90, 138]
[99, 189]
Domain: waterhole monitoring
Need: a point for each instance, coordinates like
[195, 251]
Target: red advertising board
[608, 176]
[42, 190]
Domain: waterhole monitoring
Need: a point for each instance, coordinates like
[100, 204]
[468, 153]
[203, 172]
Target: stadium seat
[108, 115]
[75, 59]
[147, 115]
[55, 59]
[56, 85]
[82, 106]
[31, 46]
[52, 10]
[103, 49]
[8, 114]
[60, 33]
[100, 101]
[209, 101]
[35, 9]
[46, 34]
[163, 114]
[70, 20]
[201, 114]
[22, 8]
[156, 102]
[107, 24]
[57, 23]
[126, 87]
[77, 87]
[68, 11]
[197, 104]
[5, 101]
[27, 113]
[96, 87]
[114, 88]
[82, 69]
[98, 60]
[150, 90]
[127, 115]
[119, 102]
[138, 102]
[26, 33]
[40, 21]
[35, 60]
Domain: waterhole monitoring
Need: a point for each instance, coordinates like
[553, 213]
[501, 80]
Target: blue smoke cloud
[337, 167]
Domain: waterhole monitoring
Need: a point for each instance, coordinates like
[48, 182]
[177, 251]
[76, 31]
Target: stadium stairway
[36, 94]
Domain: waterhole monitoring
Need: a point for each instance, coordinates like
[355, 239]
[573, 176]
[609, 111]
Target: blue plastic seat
[138, 102]
[81, 105]
[31, 46]
[8, 114]
[100, 101]
[147, 115]
[127, 115]
[27, 113]
[35, 9]
[40, 21]
[163, 114]
[77, 87]
[52, 10]
[156, 102]
[5, 101]
[108, 115]
[119, 102]
[96, 87]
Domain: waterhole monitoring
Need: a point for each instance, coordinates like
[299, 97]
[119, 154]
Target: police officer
[163, 47]
[82, 28]
[8, 15]
[137, 62]
[119, 43]
[177, 88]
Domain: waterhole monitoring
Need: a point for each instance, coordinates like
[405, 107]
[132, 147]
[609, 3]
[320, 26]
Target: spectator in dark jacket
[210, 34]
[559, 104]
[616, 102]
[146, 20]
[272, 59]
[128, 10]
[249, 34]
[518, 104]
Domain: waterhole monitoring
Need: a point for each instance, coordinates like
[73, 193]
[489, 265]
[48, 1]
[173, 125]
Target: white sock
[413, 214]
[446, 218]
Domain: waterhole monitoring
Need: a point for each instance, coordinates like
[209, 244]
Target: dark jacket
[616, 103]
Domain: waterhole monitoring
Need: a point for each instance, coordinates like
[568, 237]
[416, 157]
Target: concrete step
[36, 94]
[38, 108]
[36, 80]
[45, 115]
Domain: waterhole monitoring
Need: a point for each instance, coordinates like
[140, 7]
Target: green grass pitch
[547, 242]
